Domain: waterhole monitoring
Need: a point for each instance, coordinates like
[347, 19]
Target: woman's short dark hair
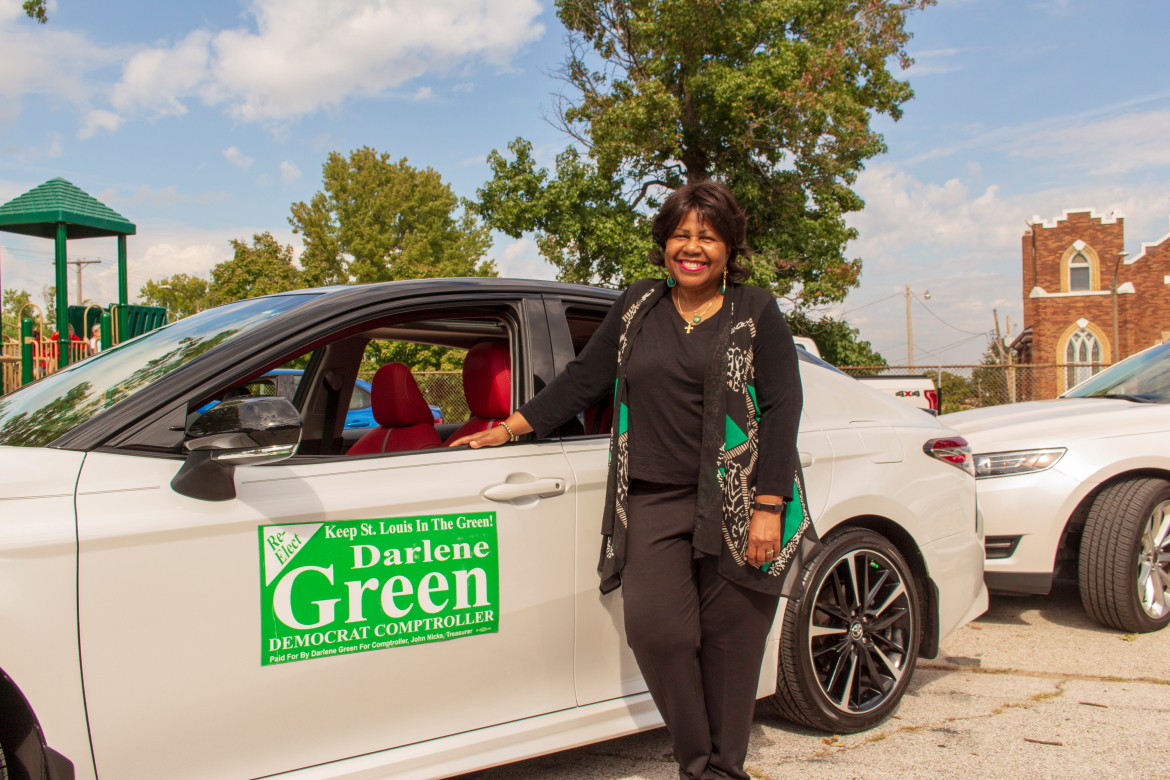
[717, 209]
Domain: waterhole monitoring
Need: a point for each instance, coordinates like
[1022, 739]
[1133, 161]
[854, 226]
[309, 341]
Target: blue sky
[204, 122]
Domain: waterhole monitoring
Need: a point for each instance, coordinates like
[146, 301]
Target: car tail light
[932, 400]
[953, 450]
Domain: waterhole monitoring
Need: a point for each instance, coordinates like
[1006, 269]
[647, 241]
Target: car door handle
[541, 488]
[806, 459]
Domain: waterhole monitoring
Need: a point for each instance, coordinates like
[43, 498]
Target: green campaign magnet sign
[333, 588]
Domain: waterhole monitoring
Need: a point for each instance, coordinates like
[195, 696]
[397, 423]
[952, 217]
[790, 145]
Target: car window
[40, 412]
[260, 387]
[333, 381]
[597, 420]
[1145, 377]
[359, 400]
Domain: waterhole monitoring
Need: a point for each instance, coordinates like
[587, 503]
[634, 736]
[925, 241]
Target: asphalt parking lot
[1032, 689]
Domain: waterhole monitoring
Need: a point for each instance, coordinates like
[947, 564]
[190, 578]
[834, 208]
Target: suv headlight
[1002, 464]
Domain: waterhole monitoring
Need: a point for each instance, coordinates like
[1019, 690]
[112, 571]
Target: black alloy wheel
[849, 646]
[1124, 565]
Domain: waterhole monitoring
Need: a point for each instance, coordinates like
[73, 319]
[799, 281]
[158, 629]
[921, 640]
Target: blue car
[284, 381]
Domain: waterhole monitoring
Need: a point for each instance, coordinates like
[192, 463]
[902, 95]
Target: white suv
[1079, 487]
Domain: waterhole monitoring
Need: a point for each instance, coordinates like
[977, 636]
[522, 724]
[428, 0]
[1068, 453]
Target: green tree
[36, 9]
[13, 301]
[582, 222]
[378, 220]
[264, 268]
[837, 340]
[773, 97]
[182, 295]
[49, 307]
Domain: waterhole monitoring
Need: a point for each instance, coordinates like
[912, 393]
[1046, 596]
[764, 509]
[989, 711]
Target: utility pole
[909, 331]
[1116, 342]
[998, 338]
[80, 265]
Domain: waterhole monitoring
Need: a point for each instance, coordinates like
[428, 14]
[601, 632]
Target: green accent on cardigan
[755, 401]
[623, 419]
[733, 435]
[793, 516]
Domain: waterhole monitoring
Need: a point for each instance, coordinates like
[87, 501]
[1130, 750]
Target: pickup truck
[918, 390]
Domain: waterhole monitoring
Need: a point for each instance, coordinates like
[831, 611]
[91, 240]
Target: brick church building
[1068, 267]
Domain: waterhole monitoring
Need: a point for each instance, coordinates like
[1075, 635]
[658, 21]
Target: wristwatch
[768, 507]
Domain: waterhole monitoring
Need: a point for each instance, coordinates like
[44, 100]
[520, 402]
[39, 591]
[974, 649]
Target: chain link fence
[443, 389]
[963, 386]
[976, 386]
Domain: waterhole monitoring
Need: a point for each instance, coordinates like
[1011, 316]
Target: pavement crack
[942, 667]
[937, 726]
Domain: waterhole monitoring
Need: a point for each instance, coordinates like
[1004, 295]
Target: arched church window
[1079, 274]
[1083, 348]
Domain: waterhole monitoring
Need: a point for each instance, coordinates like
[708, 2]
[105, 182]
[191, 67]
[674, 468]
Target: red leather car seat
[404, 420]
[599, 417]
[487, 386]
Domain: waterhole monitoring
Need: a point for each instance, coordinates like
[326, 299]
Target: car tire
[845, 670]
[1124, 566]
[3, 765]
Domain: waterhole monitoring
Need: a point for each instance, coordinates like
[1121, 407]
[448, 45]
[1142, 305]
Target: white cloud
[99, 120]
[48, 59]
[305, 55]
[163, 197]
[1113, 145]
[932, 61]
[289, 172]
[155, 79]
[238, 158]
[466, 86]
[424, 93]
[521, 260]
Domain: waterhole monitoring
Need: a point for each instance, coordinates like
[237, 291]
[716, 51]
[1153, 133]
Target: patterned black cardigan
[729, 451]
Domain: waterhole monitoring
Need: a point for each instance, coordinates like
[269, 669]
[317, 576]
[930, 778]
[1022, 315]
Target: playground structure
[60, 211]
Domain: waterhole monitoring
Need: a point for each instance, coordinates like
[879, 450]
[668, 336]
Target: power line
[871, 303]
[953, 345]
[944, 322]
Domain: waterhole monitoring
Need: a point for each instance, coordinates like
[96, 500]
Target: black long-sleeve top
[592, 374]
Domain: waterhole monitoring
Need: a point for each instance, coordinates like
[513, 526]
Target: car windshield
[39, 413]
[1145, 377]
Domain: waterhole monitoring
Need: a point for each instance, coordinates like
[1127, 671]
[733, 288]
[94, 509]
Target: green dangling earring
[670, 281]
[723, 287]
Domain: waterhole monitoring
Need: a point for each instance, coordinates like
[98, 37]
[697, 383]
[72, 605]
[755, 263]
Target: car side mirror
[240, 432]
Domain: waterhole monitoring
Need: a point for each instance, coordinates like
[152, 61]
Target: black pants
[698, 638]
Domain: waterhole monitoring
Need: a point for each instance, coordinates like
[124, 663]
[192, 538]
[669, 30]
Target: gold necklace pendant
[696, 314]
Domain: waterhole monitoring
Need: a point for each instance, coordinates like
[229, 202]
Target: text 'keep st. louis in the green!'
[329, 589]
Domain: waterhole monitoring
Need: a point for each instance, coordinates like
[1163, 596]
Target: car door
[211, 632]
[604, 666]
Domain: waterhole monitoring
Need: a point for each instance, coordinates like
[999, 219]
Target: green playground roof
[39, 211]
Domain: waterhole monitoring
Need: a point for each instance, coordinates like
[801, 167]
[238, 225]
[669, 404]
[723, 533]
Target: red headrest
[397, 402]
[487, 380]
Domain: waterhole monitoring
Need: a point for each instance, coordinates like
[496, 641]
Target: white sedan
[235, 589]
[1079, 488]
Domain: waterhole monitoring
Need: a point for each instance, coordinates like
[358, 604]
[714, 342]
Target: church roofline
[1145, 245]
[1108, 219]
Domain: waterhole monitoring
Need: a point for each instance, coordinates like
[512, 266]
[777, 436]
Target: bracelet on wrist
[508, 428]
[768, 507]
